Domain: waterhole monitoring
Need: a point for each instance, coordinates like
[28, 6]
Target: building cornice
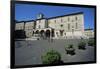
[51, 17]
[88, 29]
[66, 15]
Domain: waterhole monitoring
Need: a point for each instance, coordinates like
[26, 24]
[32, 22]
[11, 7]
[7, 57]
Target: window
[39, 21]
[76, 26]
[57, 33]
[27, 27]
[65, 33]
[55, 21]
[75, 18]
[68, 19]
[61, 25]
[72, 27]
[39, 26]
[61, 20]
[72, 20]
[48, 22]
[68, 26]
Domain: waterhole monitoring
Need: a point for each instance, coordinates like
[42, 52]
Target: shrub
[82, 45]
[70, 50]
[91, 42]
[71, 46]
[51, 57]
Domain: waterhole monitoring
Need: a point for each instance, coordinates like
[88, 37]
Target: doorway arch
[37, 32]
[47, 33]
[33, 33]
[61, 32]
[42, 33]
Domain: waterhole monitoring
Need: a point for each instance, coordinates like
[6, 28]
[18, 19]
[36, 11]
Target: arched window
[47, 33]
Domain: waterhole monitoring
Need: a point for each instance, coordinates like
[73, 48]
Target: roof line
[89, 29]
[66, 15]
[53, 17]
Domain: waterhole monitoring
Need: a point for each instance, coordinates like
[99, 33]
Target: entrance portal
[37, 32]
[47, 33]
[61, 32]
[42, 33]
[33, 33]
[52, 31]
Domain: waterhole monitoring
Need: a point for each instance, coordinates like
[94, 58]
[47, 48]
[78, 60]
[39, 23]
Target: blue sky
[25, 12]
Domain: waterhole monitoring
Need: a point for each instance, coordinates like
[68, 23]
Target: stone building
[29, 26]
[64, 26]
[19, 26]
[89, 33]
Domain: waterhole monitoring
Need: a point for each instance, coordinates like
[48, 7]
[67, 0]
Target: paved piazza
[29, 52]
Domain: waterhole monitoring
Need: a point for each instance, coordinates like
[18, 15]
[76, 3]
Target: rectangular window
[55, 21]
[39, 27]
[75, 18]
[68, 19]
[68, 26]
[76, 26]
[61, 20]
[28, 28]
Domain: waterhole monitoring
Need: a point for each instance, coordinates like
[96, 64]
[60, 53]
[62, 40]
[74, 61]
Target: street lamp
[72, 32]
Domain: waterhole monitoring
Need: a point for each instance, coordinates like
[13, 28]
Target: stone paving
[29, 52]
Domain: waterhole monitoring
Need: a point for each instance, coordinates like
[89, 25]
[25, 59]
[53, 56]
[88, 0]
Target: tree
[91, 42]
[19, 34]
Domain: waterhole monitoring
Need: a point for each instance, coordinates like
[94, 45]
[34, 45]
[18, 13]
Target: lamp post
[72, 32]
[61, 31]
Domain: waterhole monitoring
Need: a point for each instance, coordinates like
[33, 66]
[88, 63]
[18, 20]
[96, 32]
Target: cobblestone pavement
[29, 52]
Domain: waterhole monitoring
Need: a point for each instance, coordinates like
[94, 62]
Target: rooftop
[51, 17]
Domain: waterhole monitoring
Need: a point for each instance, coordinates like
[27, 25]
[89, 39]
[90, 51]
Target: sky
[25, 12]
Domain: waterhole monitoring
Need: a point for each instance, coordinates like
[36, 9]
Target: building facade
[65, 26]
[89, 33]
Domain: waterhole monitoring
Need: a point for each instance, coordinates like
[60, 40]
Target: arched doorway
[37, 32]
[47, 33]
[33, 33]
[42, 33]
[61, 32]
[52, 32]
